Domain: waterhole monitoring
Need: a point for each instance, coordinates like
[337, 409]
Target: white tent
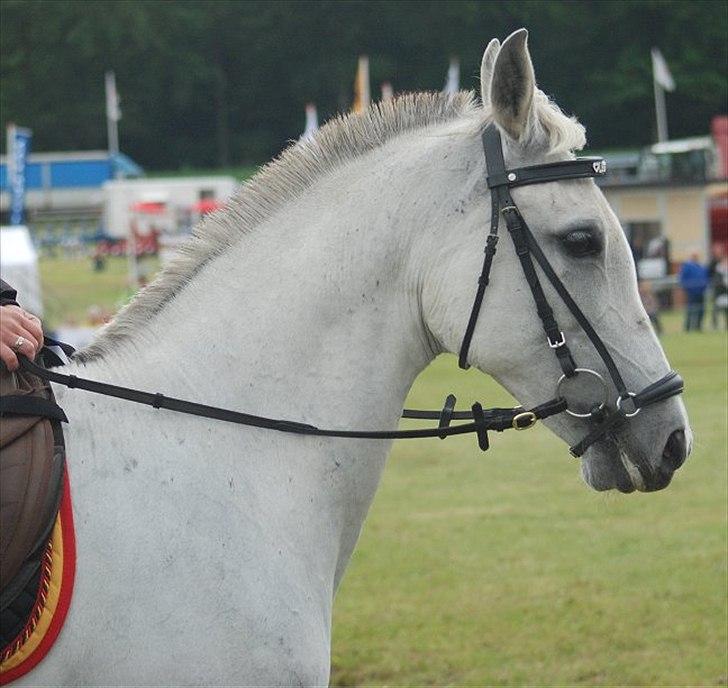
[19, 267]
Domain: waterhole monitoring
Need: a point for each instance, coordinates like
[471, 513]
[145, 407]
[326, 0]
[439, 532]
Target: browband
[549, 172]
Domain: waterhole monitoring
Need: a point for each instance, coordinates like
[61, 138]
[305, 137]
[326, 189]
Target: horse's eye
[581, 243]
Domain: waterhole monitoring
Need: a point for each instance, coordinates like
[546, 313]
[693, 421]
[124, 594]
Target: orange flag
[362, 94]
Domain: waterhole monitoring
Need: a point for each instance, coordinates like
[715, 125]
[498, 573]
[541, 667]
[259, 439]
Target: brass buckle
[528, 416]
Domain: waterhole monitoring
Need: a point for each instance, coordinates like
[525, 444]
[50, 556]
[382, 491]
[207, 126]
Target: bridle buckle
[560, 343]
[529, 418]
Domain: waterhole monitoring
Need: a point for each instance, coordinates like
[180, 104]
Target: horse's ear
[486, 69]
[513, 85]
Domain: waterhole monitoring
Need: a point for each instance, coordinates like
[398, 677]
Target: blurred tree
[216, 82]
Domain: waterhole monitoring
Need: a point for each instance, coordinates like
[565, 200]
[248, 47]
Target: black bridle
[500, 181]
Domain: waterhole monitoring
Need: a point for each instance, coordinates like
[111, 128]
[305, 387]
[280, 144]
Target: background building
[671, 198]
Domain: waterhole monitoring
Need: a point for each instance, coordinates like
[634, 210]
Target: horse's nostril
[676, 450]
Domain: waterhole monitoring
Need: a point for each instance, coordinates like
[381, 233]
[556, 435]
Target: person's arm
[20, 332]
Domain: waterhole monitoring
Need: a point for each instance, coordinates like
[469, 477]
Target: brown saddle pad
[32, 457]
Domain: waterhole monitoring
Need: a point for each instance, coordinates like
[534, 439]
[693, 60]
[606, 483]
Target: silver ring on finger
[19, 342]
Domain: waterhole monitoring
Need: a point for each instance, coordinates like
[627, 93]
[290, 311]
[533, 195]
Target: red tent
[206, 205]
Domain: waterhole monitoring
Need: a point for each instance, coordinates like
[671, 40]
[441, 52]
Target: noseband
[602, 417]
[500, 180]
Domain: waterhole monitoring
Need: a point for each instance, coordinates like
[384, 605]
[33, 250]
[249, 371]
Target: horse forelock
[563, 134]
[296, 169]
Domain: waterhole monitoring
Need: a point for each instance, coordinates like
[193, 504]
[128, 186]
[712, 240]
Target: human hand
[20, 333]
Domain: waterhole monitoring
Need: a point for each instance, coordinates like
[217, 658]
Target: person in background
[651, 304]
[694, 281]
[719, 283]
[20, 331]
[718, 276]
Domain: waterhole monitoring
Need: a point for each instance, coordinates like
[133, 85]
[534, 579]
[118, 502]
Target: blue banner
[18, 150]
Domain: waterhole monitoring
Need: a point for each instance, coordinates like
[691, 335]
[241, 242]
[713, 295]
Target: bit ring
[586, 371]
[622, 398]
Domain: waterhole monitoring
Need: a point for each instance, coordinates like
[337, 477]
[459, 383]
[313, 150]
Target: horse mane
[294, 171]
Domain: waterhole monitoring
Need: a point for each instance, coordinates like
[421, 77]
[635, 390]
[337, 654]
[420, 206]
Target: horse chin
[606, 467]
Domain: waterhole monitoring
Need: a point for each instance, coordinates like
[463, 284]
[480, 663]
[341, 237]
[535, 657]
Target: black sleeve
[7, 294]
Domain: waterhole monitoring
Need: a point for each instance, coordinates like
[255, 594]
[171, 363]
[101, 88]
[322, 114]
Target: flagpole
[660, 112]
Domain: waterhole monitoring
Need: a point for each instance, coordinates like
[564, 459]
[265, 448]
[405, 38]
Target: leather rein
[603, 419]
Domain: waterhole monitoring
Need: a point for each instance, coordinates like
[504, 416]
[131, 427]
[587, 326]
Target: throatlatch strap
[483, 280]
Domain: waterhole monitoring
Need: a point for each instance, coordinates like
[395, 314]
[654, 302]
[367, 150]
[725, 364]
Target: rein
[497, 419]
[500, 181]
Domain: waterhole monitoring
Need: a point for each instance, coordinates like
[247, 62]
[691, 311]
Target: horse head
[571, 222]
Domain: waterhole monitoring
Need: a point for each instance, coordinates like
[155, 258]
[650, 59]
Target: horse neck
[314, 317]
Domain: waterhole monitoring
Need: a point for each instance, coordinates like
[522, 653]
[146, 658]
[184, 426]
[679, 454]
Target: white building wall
[176, 193]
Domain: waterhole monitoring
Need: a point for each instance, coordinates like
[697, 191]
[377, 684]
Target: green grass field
[70, 287]
[504, 568]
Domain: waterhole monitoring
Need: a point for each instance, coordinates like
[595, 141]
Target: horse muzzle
[609, 465]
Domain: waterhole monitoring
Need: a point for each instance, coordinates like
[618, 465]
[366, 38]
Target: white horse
[210, 554]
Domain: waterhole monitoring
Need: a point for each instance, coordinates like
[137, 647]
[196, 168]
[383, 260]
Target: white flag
[661, 72]
[452, 85]
[113, 111]
[311, 122]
